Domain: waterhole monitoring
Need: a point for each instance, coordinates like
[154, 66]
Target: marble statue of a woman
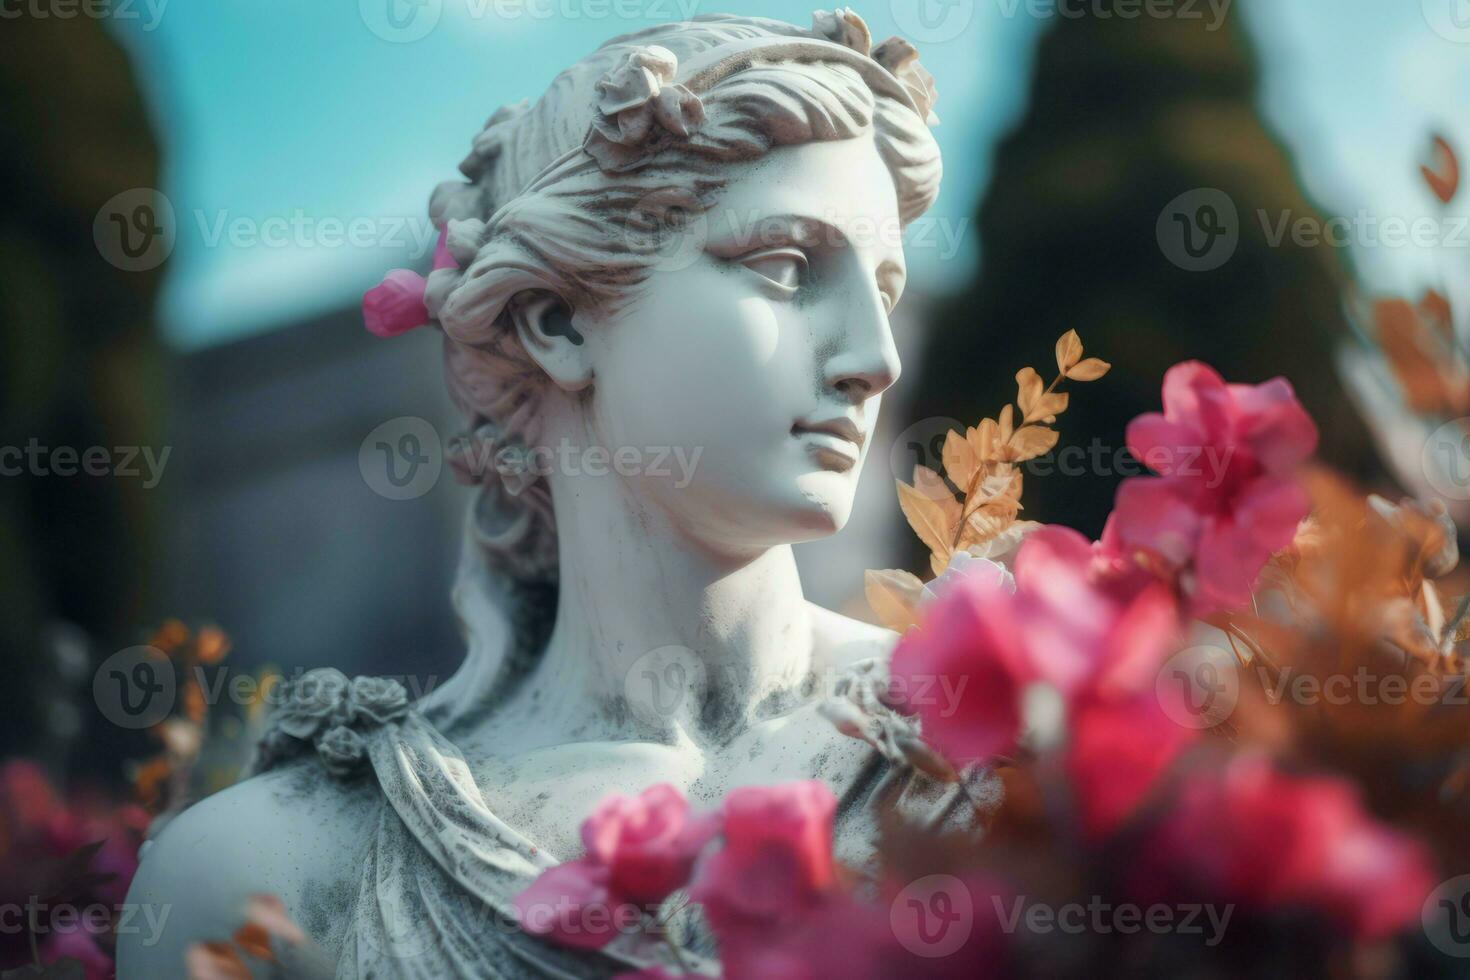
[688, 244]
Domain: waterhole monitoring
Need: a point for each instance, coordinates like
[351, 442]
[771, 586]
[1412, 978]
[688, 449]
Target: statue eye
[783, 267]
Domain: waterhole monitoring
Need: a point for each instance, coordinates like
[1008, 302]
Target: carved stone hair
[574, 195]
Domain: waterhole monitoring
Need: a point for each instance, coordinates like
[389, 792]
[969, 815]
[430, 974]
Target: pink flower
[1225, 499]
[1116, 752]
[774, 873]
[777, 856]
[76, 944]
[639, 850]
[647, 842]
[963, 669]
[1075, 622]
[1257, 836]
[395, 305]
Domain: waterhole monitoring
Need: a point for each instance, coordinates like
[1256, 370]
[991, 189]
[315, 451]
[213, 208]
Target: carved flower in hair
[376, 700]
[902, 61]
[843, 26]
[341, 750]
[312, 702]
[634, 98]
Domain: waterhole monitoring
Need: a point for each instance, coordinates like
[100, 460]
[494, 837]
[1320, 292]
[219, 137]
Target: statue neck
[656, 636]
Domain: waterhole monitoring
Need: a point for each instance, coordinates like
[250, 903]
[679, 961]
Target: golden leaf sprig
[976, 509]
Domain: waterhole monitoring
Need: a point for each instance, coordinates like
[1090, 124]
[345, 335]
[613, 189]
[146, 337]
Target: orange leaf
[170, 636]
[1049, 406]
[1089, 370]
[254, 941]
[926, 517]
[214, 961]
[894, 595]
[960, 459]
[1442, 174]
[1029, 387]
[1033, 441]
[985, 440]
[932, 485]
[211, 644]
[1069, 350]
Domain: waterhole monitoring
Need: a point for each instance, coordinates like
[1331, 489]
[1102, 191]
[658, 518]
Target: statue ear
[543, 321]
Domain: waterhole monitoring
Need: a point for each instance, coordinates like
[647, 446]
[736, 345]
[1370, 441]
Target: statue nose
[865, 362]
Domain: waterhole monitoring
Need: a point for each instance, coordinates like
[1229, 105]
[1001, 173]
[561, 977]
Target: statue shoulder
[289, 833]
[841, 641]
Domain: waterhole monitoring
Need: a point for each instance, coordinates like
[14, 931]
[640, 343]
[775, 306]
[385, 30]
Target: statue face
[763, 348]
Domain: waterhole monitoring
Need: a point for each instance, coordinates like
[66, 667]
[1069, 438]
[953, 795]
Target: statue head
[686, 250]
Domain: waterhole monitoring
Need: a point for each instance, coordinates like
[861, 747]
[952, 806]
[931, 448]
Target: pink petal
[1277, 428]
[1225, 566]
[1154, 514]
[442, 258]
[1270, 509]
[1140, 638]
[1164, 446]
[395, 305]
[570, 904]
[1117, 752]
[1195, 395]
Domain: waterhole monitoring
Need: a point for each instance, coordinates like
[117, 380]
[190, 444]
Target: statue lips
[835, 443]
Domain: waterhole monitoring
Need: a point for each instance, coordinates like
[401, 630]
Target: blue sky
[285, 121]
